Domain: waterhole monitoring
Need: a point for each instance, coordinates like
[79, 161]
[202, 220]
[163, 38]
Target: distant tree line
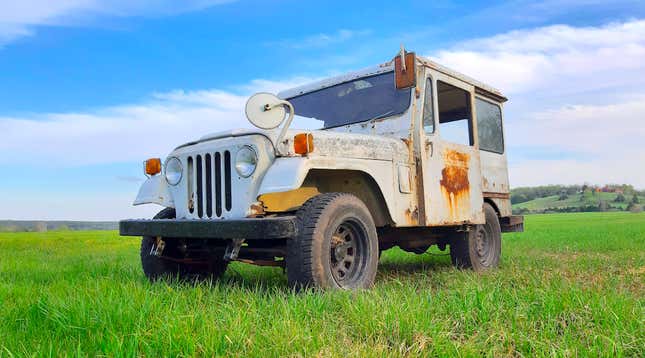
[524, 194]
[43, 226]
[588, 198]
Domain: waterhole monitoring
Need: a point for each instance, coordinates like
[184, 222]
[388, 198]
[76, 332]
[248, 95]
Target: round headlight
[173, 171]
[246, 160]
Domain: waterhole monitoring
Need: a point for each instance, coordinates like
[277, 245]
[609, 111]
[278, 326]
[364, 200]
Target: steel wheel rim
[348, 252]
[484, 246]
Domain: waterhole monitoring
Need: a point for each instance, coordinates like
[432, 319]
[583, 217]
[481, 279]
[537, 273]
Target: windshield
[360, 100]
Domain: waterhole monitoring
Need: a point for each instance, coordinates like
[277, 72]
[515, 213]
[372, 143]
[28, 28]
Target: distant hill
[41, 226]
[576, 198]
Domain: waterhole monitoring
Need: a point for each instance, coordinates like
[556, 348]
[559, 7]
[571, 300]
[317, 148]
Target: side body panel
[495, 183]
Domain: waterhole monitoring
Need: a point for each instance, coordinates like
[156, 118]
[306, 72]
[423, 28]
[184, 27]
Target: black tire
[481, 247]
[156, 268]
[336, 246]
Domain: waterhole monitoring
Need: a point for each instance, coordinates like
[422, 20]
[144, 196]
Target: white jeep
[411, 154]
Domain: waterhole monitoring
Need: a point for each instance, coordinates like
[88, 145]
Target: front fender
[286, 173]
[155, 191]
[289, 173]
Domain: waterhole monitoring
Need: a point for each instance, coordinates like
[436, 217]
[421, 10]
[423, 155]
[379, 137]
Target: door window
[428, 109]
[455, 119]
[489, 126]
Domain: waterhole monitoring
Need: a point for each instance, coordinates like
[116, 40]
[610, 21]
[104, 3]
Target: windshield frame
[353, 79]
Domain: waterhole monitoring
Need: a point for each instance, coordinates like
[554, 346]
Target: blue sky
[91, 88]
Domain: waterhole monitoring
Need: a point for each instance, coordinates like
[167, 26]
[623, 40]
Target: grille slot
[218, 184]
[200, 187]
[190, 181]
[227, 181]
[210, 192]
[209, 186]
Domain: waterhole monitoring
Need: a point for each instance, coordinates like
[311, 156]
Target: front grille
[209, 184]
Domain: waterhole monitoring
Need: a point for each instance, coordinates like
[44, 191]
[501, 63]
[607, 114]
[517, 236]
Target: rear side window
[489, 126]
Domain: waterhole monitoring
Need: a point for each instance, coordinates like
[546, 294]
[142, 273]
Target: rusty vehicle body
[420, 185]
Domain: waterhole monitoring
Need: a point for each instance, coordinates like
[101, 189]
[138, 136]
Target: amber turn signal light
[303, 143]
[152, 166]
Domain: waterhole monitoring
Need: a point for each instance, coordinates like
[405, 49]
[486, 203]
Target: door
[451, 162]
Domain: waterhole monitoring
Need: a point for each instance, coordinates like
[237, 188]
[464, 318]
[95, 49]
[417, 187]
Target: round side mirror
[265, 110]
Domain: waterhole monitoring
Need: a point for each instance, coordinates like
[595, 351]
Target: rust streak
[454, 183]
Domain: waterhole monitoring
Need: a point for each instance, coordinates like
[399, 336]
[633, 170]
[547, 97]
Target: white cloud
[573, 90]
[119, 134]
[555, 59]
[320, 40]
[615, 130]
[607, 142]
[569, 171]
[127, 133]
[20, 18]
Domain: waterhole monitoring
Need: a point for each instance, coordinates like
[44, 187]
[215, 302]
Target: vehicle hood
[351, 145]
[326, 143]
[232, 133]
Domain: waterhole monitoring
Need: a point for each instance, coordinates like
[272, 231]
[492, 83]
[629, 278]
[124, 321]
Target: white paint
[155, 191]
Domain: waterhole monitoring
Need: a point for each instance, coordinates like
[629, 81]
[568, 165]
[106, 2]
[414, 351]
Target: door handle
[429, 148]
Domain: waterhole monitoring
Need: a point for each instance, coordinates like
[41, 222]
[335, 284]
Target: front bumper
[283, 227]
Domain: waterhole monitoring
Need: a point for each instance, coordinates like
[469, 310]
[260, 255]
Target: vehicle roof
[480, 87]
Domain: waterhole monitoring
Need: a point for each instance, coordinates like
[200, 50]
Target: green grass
[571, 285]
[576, 200]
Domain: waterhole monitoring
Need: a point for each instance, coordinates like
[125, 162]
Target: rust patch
[408, 77]
[255, 210]
[455, 185]
[455, 173]
[412, 216]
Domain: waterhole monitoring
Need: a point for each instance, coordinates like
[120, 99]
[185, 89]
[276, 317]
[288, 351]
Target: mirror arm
[402, 54]
[287, 123]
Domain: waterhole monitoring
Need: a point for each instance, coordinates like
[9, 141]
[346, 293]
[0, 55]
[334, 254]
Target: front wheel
[336, 246]
[481, 247]
[161, 259]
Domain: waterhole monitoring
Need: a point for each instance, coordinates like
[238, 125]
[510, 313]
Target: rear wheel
[160, 258]
[479, 248]
[336, 246]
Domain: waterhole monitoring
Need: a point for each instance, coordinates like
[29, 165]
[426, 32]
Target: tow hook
[233, 249]
[157, 248]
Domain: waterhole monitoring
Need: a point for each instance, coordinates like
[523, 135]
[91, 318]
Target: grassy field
[571, 285]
